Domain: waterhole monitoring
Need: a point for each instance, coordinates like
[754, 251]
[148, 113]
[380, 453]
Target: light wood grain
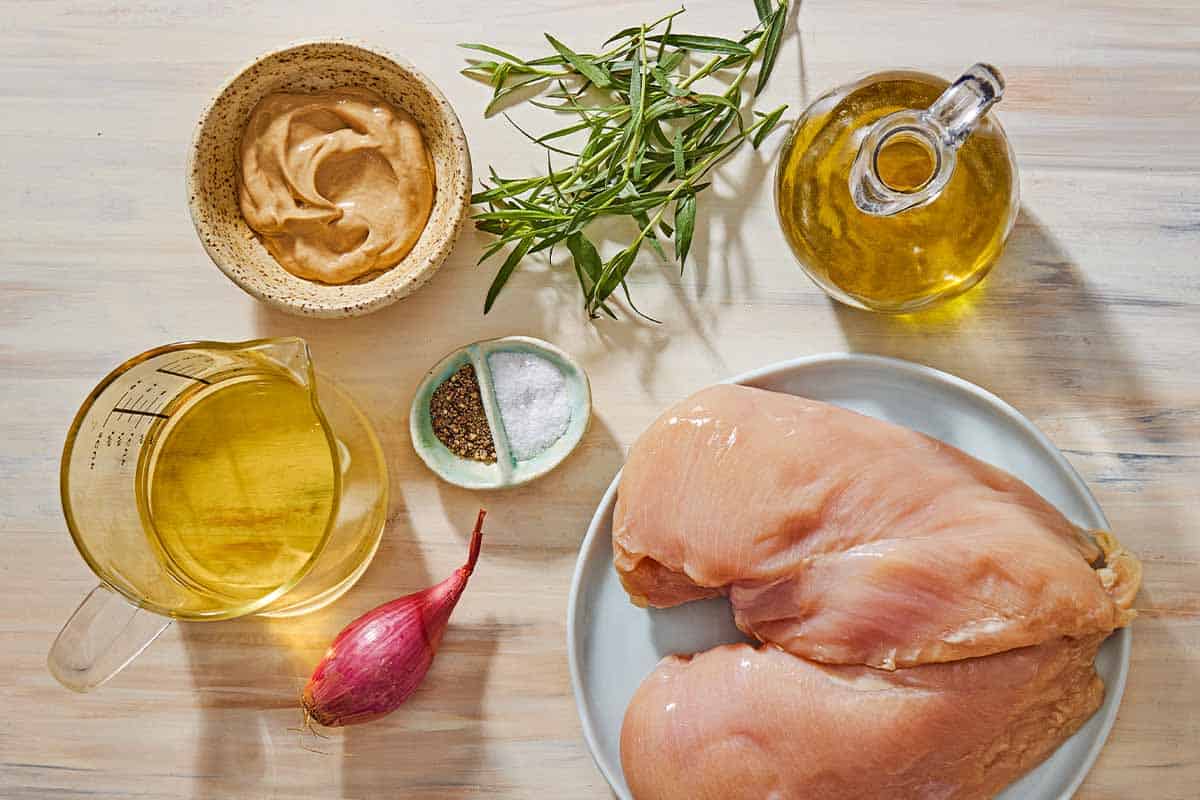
[1090, 325]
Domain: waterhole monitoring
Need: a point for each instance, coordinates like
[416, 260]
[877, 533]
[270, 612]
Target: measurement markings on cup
[166, 371]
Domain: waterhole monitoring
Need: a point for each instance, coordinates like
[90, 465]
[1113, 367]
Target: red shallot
[379, 659]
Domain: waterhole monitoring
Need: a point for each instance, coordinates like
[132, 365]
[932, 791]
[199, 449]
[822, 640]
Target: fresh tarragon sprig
[650, 136]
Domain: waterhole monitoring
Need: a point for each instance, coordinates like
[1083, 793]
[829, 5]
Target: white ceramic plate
[612, 644]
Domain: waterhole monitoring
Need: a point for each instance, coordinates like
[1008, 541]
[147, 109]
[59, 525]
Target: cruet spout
[908, 157]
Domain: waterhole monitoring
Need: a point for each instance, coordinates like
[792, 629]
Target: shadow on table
[724, 206]
[404, 340]
[434, 744]
[249, 674]
[1033, 329]
[520, 526]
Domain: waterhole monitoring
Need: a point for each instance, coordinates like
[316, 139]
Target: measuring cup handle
[103, 635]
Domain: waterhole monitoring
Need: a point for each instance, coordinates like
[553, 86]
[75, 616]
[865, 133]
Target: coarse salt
[532, 395]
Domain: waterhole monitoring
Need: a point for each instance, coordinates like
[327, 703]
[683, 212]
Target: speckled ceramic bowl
[508, 470]
[212, 169]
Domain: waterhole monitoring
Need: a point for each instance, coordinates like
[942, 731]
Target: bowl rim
[335, 306]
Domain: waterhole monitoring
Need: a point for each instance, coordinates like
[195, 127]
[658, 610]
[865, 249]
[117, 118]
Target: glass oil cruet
[898, 191]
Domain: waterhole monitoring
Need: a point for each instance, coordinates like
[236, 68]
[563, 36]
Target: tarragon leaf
[685, 226]
[506, 270]
[702, 44]
[768, 124]
[582, 64]
[614, 273]
[770, 48]
[496, 51]
[643, 221]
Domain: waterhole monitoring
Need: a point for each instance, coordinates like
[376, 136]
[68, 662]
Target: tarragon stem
[646, 147]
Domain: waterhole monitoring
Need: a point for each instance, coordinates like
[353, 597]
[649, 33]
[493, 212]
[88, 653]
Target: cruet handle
[103, 635]
[958, 110]
[941, 129]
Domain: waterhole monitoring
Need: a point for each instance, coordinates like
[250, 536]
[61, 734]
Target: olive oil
[905, 165]
[238, 486]
[911, 259]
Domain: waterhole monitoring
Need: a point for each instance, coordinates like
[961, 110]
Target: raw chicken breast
[849, 540]
[736, 722]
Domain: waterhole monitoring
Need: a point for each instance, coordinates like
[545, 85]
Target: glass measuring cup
[898, 191]
[120, 447]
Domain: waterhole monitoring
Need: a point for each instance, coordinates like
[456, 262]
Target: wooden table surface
[1090, 325]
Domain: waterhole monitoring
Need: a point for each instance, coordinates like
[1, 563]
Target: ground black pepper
[459, 421]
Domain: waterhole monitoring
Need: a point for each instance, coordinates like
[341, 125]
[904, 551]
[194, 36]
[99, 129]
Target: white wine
[238, 487]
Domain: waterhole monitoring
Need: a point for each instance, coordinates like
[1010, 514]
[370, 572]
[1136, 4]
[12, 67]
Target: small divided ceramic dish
[508, 470]
[317, 66]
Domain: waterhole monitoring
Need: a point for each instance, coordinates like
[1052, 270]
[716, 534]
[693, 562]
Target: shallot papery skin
[380, 659]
